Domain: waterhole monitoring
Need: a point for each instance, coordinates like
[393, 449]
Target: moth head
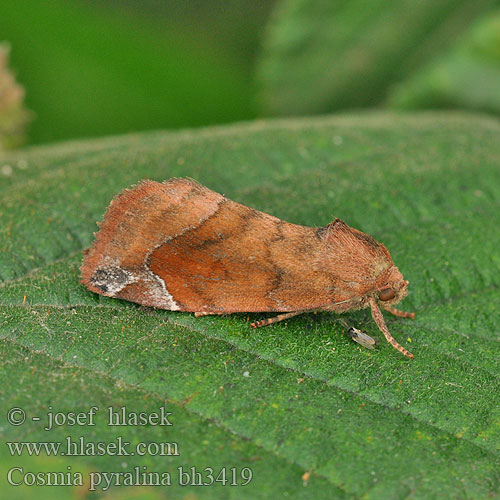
[392, 287]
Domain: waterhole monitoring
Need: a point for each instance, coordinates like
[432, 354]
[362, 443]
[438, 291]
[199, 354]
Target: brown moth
[179, 246]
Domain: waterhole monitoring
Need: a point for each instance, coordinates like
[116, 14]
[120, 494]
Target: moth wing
[180, 246]
[137, 221]
[238, 260]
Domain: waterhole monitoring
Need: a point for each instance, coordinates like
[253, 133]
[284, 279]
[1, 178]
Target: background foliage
[94, 68]
[467, 76]
[320, 56]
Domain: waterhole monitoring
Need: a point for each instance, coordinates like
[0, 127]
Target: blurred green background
[93, 68]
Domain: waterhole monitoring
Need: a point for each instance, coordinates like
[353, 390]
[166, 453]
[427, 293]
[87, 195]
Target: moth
[177, 245]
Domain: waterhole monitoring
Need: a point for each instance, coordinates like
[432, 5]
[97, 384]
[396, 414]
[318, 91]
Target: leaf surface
[291, 398]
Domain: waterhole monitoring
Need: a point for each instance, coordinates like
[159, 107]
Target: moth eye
[386, 294]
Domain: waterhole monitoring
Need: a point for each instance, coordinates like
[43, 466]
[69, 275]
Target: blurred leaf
[467, 77]
[362, 423]
[92, 69]
[323, 55]
[13, 115]
[232, 29]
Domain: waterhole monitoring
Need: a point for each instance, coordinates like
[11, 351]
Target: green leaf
[324, 55]
[467, 77]
[357, 423]
[91, 69]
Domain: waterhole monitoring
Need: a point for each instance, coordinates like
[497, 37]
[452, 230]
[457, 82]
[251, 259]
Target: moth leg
[204, 313]
[270, 321]
[397, 312]
[379, 319]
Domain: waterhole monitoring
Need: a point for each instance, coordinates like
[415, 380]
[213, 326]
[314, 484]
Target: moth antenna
[379, 319]
[270, 321]
[397, 312]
